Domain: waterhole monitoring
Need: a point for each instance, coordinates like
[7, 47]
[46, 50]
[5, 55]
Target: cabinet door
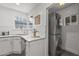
[5, 46]
[17, 45]
[37, 48]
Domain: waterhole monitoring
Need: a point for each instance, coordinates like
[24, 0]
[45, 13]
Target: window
[20, 22]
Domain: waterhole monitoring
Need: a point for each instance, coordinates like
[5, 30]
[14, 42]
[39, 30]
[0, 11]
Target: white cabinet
[35, 48]
[17, 45]
[5, 46]
[10, 45]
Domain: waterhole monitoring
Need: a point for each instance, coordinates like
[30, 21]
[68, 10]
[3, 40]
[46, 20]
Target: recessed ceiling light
[17, 4]
[61, 4]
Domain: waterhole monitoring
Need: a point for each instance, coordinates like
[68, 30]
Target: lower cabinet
[10, 45]
[35, 48]
[5, 46]
[17, 45]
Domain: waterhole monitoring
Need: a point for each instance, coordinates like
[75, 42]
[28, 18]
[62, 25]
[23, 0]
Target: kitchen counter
[26, 37]
[33, 46]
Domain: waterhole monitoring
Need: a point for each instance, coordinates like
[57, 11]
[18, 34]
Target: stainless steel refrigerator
[55, 34]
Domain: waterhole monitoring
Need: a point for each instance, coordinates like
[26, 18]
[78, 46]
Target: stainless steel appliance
[54, 33]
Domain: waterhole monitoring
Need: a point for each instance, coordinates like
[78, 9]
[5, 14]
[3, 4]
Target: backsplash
[5, 30]
[18, 32]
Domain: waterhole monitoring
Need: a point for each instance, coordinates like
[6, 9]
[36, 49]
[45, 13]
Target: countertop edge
[35, 39]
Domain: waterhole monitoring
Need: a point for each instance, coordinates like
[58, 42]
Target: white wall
[70, 32]
[41, 10]
[7, 18]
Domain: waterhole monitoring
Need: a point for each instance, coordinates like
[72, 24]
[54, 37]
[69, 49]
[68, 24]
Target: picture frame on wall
[67, 20]
[37, 20]
[71, 20]
[74, 19]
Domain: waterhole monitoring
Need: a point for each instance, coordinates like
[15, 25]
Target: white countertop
[26, 37]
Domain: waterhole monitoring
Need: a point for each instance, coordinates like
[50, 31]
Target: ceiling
[27, 7]
[57, 7]
[22, 7]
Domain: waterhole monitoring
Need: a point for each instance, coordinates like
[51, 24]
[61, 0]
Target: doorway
[55, 25]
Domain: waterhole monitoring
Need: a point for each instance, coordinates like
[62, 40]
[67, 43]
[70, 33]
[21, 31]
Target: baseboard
[16, 52]
[6, 54]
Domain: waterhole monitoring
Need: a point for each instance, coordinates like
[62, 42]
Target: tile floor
[65, 53]
[59, 53]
